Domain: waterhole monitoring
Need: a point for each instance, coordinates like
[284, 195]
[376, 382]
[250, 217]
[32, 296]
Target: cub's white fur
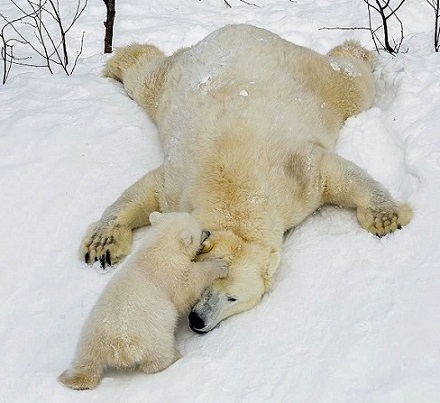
[133, 322]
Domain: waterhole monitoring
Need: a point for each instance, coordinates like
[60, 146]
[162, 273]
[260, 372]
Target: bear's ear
[155, 217]
[187, 238]
[273, 263]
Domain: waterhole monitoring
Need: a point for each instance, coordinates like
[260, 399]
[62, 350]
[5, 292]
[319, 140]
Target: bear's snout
[196, 323]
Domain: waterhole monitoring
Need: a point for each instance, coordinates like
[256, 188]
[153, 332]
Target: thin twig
[56, 10]
[385, 11]
[435, 4]
[49, 45]
[78, 54]
[344, 28]
[250, 4]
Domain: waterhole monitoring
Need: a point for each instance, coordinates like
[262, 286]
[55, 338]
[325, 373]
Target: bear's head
[252, 266]
[187, 231]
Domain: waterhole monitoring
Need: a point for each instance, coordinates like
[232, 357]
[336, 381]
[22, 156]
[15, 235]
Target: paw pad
[106, 242]
[386, 219]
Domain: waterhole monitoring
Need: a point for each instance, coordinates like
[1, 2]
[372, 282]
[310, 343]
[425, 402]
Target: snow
[344, 67]
[352, 318]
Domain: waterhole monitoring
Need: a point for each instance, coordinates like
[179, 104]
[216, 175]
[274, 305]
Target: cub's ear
[187, 238]
[155, 217]
[273, 263]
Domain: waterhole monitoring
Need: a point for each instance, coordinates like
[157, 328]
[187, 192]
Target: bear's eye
[232, 299]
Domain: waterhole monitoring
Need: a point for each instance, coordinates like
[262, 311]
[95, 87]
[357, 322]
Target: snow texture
[352, 318]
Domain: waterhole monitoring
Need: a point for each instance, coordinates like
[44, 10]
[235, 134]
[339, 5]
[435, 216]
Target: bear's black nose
[195, 322]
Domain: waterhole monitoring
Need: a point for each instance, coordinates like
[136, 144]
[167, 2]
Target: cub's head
[251, 270]
[191, 238]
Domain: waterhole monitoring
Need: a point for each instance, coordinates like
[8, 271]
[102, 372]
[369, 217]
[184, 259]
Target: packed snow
[352, 318]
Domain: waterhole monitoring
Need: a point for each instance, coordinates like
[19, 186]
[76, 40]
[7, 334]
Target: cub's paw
[106, 242]
[206, 246]
[221, 267]
[78, 381]
[381, 220]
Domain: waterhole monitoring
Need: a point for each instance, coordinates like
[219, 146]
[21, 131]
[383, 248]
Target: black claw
[102, 261]
[87, 257]
[399, 226]
[96, 259]
[107, 258]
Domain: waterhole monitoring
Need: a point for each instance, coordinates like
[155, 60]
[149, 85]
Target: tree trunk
[108, 39]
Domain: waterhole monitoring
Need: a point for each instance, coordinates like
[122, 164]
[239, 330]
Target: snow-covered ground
[352, 318]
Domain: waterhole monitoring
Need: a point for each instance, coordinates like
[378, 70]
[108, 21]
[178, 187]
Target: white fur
[248, 167]
[133, 322]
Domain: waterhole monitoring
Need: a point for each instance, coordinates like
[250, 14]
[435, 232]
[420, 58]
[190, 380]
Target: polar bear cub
[133, 322]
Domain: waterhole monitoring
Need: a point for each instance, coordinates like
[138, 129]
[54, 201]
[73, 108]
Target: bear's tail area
[128, 57]
[82, 376]
[353, 49]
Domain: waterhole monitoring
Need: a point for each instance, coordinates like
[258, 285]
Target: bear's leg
[347, 185]
[110, 238]
[156, 364]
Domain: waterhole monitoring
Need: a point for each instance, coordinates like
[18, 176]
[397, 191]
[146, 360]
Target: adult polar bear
[247, 122]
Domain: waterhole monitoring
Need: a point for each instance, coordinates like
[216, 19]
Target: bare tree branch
[435, 4]
[344, 28]
[246, 2]
[385, 12]
[249, 4]
[47, 41]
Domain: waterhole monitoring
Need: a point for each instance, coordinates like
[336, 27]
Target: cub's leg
[346, 184]
[156, 364]
[83, 376]
[110, 238]
[206, 271]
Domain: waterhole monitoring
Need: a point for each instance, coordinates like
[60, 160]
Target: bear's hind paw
[383, 220]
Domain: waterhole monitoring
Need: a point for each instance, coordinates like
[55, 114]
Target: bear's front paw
[106, 242]
[381, 220]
